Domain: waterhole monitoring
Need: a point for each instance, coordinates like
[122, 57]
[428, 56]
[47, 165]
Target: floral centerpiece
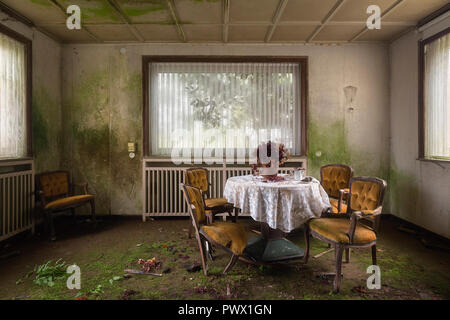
[281, 158]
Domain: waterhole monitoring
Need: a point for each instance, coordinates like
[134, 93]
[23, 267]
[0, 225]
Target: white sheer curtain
[12, 98]
[437, 98]
[224, 105]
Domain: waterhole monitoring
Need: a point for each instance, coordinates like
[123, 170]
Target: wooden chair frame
[354, 217]
[45, 200]
[229, 208]
[202, 237]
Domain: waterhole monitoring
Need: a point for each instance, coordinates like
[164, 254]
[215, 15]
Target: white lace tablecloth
[283, 205]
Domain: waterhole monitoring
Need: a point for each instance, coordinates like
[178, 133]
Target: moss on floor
[409, 271]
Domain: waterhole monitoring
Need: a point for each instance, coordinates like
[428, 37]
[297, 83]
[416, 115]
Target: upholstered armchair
[357, 228]
[198, 177]
[335, 179]
[229, 236]
[56, 194]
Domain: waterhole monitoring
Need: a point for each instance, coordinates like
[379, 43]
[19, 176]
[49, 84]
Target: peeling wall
[46, 107]
[420, 190]
[102, 110]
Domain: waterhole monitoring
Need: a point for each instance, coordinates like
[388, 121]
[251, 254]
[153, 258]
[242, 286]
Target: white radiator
[16, 197]
[162, 195]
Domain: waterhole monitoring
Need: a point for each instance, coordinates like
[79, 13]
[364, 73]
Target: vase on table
[269, 171]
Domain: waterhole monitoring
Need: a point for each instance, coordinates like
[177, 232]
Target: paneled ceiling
[234, 21]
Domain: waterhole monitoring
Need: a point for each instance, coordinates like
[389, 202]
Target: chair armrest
[40, 195]
[342, 192]
[209, 217]
[357, 215]
[83, 185]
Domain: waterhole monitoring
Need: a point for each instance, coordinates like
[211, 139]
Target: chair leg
[230, 264]
[306, 257]
[74, 217]
[347, 255]
[374, 255]
[234, 212]
[51, 225]
[92, 203]
[338, 249]
[209, 250]
[202, 255]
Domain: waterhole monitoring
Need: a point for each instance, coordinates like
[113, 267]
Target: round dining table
[281, 206]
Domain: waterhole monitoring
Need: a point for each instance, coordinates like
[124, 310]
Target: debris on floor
[133, 271]
[360, 289]
[126, 294]
[194, 267]
[150, 264]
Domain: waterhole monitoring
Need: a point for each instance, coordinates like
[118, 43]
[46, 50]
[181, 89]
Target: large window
[224, 105]
[14, 95]
[435, 97]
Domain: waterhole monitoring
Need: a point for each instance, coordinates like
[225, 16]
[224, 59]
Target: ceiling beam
[25, 20]
[16, 15]
[383, 15]
[173, 13]
[276, 18]
[226, 19]
[56, 4]
[327, 18]
[122, 15]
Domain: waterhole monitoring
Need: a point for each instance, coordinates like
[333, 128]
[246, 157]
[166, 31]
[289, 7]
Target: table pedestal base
[272, 247]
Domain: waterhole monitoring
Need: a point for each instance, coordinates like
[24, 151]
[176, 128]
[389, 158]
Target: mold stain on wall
[104, 114]
[328, 144]
[44, 3]
[46, 130]
[404, 193]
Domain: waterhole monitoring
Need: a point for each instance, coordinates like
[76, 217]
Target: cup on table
[299, 174]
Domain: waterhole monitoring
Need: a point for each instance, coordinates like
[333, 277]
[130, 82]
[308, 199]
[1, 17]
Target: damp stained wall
[46, 96]
[102, 111]
[420, 190]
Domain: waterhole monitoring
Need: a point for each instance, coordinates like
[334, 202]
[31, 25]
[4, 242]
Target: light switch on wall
[132, 149]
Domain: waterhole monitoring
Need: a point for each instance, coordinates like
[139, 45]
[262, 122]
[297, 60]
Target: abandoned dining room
[224, 150]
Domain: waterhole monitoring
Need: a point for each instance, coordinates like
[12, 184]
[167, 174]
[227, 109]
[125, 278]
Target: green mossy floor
[408, 269]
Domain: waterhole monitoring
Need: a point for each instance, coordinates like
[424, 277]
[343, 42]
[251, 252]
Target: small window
[224, 105]
[435, 97]
[14, 95]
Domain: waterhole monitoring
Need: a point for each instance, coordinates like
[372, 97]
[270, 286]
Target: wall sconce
[350, 94]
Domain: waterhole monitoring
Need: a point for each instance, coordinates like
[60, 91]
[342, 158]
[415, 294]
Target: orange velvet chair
[55, 193]
[198, 177]
[228, 236]
[357, 228]
[335, 179]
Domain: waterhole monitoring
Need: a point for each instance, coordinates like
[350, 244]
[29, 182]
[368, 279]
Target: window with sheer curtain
[13, 101]
[223, 105]
[436, 98]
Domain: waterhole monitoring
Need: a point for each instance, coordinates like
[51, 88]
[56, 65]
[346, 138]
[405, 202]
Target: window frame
[302, 61]
[422, 45]
[29, 76]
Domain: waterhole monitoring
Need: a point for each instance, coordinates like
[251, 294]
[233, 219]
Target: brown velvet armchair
[198, 177]
[56, 194]
[228, 236]
[335, 179]
[357, 228]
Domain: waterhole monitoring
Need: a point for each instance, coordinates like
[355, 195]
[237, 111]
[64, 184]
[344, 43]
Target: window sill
[434, 160]
[15, 159]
